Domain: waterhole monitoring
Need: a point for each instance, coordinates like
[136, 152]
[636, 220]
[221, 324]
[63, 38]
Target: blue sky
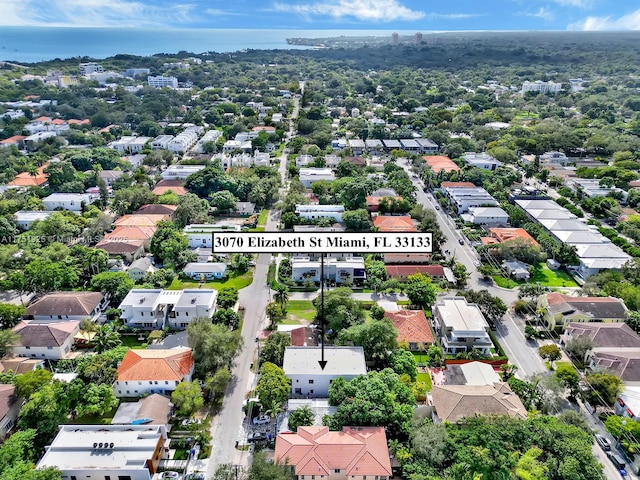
[419, 15]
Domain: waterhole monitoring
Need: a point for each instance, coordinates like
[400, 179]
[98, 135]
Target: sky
[418, 15]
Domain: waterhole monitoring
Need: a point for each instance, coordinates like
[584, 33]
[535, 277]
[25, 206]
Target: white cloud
[630, 21]
[575, 3]
[370, 10]
[542, 13]
[218, 12]
[91, 13]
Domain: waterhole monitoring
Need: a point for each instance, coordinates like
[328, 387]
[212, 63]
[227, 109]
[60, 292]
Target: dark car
[603, 442]
[256, 437]
[461, 241]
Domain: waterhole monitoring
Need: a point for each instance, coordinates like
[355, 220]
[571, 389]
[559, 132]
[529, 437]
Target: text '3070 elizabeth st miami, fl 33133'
[276, 242]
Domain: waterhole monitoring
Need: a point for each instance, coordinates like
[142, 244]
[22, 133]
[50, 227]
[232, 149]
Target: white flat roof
[460, 315]
[196, 296]
[72, 448]
[340, 361]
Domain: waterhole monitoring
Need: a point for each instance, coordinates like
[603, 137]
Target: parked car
[617, 460]
[194, 476]
[603, 442]
[256, 437]
[461, 241]
[477, 263]
[167, 475]
[261, 420]
[437, 207]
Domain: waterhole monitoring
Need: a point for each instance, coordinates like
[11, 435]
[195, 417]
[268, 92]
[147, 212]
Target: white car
[261, 420]
[167, 475]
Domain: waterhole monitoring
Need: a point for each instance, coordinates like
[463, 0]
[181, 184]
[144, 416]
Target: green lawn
[420, 357]
[542, 275]
[426, 378]
[262, 218]
[132, 341]
[235, 281]
[94, 419]
[505, 282]
[299, 310]
[551, 278]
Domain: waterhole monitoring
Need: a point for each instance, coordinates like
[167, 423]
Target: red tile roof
[506, 234]
[317, 451]
[457, 184]
[124, 233]
[175, 186]
[59, 121]
[265, 128]
[439, 163]
[406, 270]
[43, 119]
[143, 365]
[374, 202]
[393, 223]
[412, 326]
[25, 179]
[12, 140]
[141, 220]
[74, 121]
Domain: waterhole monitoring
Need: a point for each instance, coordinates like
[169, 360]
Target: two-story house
[68, 306]
[193, 303]
[461, 326]
[354, 453]
[559, 309]
[45, 339]
[308, 379]
[143, 372]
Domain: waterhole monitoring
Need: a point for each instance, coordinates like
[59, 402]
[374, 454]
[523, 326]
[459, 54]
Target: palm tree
[106, 339]
[282, 295]
[275, 410]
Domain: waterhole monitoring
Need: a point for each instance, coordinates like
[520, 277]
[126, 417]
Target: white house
[45, 338]
[308, 176]
[68, 306]
[349, 269]
[207, 271]
[180, 172]
[308, 379]
[541, 87]
[162, 81]
[464, 198]
[161, 142]
[554, 157]
[427, 146]
[90, 67]
[130, 144]
[461, 326]
[143, 372]
[481, 160]
[155, 309]
[210, 136]
[24, 218]
[488, 216]
[99, 452]
[200, 234]
[304, 160]
[73, 202]
[185, 140]
[193, 303]
[315, 212]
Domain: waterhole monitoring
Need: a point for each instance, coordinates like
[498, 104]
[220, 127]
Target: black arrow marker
[322, 361]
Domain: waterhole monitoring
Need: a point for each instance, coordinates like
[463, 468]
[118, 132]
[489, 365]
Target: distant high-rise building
[417, 38]
[394, 38]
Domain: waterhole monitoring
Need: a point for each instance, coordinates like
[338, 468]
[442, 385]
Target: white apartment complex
[461, 326]
[161, 81]
[309, 176]
[180, 172]
[315, 212]
[541, 87]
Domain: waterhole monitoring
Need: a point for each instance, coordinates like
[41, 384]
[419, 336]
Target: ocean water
[35, 44]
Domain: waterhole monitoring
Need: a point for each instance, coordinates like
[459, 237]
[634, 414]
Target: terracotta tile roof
[406, 270]
[141, 220]
[12, 140]
[317, 451]
[439, 163]
[51, 334]
[489, 241]
[144, 365]
[374, 201]
[506, 234]
[454, 402]
[120, 247]
[393, 223]
[42, 119]
[126, 233]
[74, 121]
[457, 185]
[7, 398]
[634, 183]
[65, 303]
[164, 186]
[25, 179]
[412, 326]
[265, 128]
[58, 121]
